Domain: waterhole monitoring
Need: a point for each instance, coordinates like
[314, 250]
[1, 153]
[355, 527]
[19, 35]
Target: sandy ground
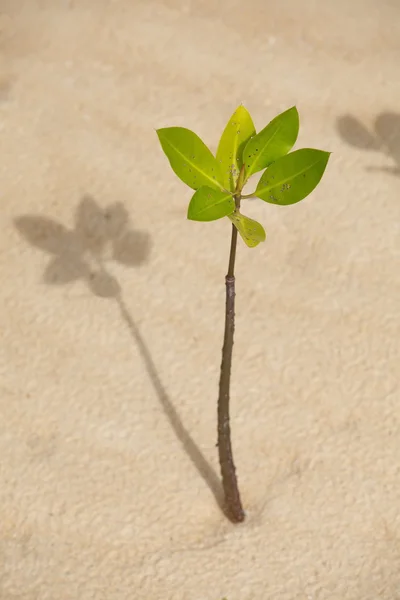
[111, 306]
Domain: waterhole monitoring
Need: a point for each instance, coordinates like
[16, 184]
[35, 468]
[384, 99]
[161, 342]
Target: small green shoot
[218, 181]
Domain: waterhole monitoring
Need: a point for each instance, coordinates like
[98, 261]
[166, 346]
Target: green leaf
[274, 141]
[239, 130]
[208, 204]
[292, 177]
[190, 158]
[251, 231]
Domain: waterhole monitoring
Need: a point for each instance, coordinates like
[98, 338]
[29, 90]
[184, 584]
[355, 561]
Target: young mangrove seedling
[218, 182]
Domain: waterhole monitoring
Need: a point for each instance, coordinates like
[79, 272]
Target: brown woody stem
[228, 472]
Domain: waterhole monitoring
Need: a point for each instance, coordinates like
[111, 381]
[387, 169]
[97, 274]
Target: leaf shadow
[82, 254]
[384, 137]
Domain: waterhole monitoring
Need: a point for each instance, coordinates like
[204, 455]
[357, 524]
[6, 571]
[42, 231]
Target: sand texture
[112, 302]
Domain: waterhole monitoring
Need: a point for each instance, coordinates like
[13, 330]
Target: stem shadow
[196, 456]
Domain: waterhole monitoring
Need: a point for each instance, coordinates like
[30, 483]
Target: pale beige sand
[112, 306]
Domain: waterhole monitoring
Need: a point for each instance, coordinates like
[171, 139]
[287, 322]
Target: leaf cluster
[219, 180]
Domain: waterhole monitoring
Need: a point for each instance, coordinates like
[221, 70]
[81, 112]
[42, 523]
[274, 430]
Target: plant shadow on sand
[384, 137]
[82, 254]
